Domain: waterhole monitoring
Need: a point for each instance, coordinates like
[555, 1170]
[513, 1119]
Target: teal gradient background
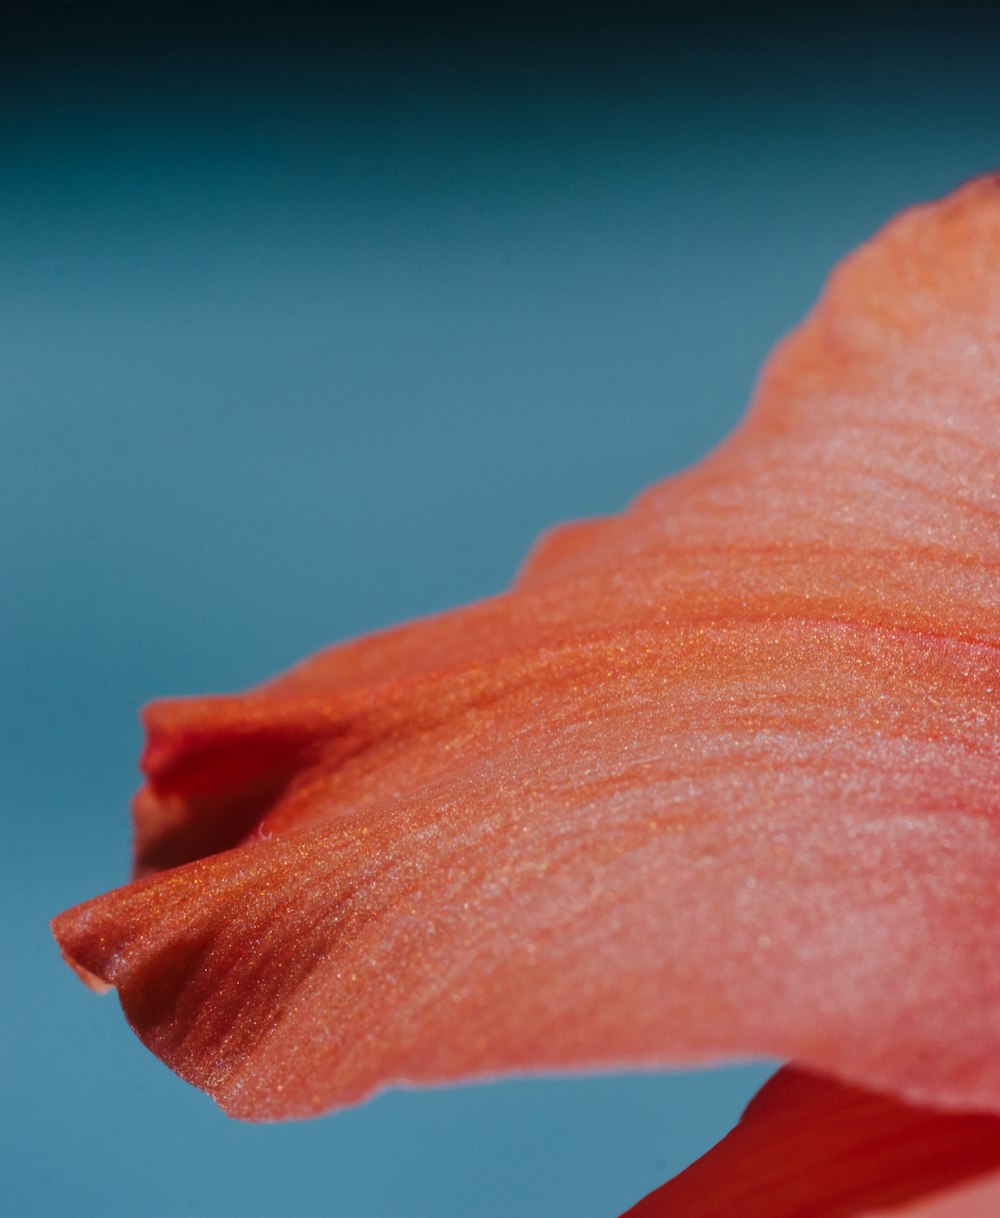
[304, 333]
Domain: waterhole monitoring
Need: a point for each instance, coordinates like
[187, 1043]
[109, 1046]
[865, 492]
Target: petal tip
[59, 927]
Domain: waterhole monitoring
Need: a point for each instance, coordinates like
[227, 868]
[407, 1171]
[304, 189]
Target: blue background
[303, 332]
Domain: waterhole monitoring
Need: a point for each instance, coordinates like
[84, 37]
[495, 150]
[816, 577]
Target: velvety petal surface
[719, 776]
[809, 1147]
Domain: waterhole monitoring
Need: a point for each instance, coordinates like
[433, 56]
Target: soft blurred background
[310, 321]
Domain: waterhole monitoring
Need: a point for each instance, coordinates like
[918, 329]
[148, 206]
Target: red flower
[719, 776]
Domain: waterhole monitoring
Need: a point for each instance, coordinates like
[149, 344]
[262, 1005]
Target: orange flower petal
[808, 1147]
[718, 777]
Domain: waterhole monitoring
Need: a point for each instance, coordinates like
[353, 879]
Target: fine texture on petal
[808, 1147]
[718, 776]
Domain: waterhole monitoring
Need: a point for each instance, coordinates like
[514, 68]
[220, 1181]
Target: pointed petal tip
[61, 932]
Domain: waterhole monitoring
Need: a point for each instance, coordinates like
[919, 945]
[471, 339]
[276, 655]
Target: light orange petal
[718, 776]
[808, 1147]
